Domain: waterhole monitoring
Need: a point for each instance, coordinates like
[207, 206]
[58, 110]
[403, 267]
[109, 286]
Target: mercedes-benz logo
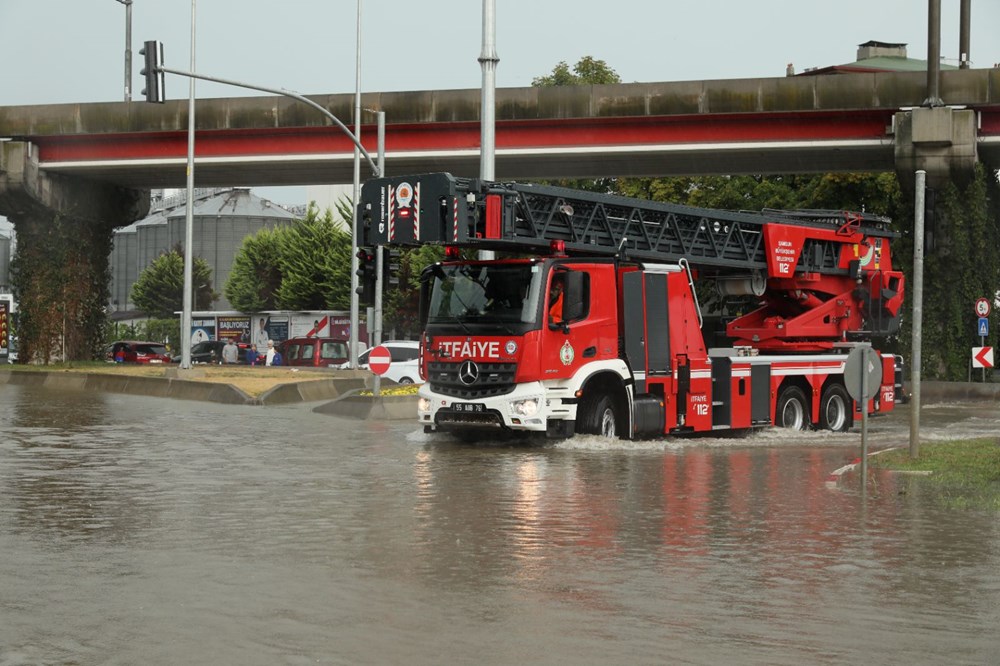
[468, 373]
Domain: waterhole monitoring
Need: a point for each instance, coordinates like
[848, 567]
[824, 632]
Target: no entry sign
[379, 360]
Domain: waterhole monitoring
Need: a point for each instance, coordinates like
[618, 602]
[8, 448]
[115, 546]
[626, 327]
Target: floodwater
[142, 531]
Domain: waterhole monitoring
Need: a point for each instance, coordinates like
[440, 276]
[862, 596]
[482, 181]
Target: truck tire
[598, 417]
[835, 409]
[792, 410]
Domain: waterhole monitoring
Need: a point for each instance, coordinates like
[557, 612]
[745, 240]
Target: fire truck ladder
[518, 217]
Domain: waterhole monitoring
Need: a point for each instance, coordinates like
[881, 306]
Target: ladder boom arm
[442, 209]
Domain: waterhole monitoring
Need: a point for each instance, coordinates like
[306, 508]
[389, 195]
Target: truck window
[482, 293]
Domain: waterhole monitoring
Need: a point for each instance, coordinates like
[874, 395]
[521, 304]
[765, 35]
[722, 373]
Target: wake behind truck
[591, 322]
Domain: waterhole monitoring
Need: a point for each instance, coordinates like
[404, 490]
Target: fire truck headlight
[528, 407]
[423, 405]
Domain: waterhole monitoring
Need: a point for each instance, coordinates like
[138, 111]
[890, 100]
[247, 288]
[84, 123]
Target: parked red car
[136, 351]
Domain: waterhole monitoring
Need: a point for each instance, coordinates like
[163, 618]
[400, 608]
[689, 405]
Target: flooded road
[145, 531]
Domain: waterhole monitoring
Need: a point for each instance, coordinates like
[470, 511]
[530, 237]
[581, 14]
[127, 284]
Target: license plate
[468, 407]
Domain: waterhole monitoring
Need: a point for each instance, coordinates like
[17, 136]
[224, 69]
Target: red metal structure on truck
[625, 354]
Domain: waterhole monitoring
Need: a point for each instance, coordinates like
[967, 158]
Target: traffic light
[390, 269]
[154, 90]
[366, 276]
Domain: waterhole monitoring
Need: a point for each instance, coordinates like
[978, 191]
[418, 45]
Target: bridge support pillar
[60, 269]
[940, 140]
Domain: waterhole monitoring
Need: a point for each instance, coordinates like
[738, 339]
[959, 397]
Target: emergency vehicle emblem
[510, 347]
[404, 194]
[566, 354]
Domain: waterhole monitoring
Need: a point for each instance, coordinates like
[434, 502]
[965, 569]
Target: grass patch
[403, 389]
[251, 380]
[965, 472]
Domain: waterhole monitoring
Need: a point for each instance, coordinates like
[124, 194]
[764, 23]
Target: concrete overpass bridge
[74, 172]
[850, 122]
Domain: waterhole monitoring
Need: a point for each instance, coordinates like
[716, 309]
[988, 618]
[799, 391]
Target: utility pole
[379, 261]
[487, 115]
[128, 49]
[918, 311]
[355, 300]
[187, 302]
[964, 28]
[933, 54]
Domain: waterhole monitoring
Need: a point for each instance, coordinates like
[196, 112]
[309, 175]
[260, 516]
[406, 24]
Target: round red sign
[983, 307]
[379, 360]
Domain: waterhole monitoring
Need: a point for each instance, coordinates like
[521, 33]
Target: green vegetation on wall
[962, 266]
[61, 282]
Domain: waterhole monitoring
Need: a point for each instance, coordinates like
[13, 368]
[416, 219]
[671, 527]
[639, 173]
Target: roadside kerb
[367, 407]
[310, 391]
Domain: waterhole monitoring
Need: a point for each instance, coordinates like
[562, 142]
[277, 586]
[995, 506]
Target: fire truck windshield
[500, 293]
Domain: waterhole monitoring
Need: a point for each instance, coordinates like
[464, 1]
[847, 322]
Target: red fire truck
[591, 323]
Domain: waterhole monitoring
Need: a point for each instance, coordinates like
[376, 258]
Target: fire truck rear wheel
[792, 410]
[599, 417]
[835, 409]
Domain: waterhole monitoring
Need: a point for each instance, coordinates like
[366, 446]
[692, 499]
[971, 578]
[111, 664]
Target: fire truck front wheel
[792, 409]
[599, 417]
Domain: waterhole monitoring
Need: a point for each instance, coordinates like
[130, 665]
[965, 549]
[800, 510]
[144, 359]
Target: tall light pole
[128, 49]
[189, 216]
[487, 107]
[355, 300]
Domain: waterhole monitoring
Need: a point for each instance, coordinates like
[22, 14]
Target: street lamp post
[355, 300]
[128, 49]
[189, 217]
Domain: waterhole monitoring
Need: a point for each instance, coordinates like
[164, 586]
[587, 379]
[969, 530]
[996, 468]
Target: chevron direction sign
[982, 357]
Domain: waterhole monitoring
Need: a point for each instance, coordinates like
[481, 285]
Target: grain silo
[220, 221]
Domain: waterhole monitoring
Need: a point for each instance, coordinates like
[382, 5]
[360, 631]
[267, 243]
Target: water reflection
[71, 468]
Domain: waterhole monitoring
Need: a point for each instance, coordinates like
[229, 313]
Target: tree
[304, 266]
[315, 264]
[256, 274]
[587, 71]
[159, 291]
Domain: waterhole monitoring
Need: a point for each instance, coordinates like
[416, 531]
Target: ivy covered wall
[61, 279]
[961, 265]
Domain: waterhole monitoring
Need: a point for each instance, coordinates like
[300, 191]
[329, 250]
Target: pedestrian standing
[230, 352]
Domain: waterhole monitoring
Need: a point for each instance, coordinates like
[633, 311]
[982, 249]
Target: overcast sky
[61, 51]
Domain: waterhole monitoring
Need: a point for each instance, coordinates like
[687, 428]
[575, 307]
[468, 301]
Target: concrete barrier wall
[184, 389]
[384, 408]
[959, 392]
